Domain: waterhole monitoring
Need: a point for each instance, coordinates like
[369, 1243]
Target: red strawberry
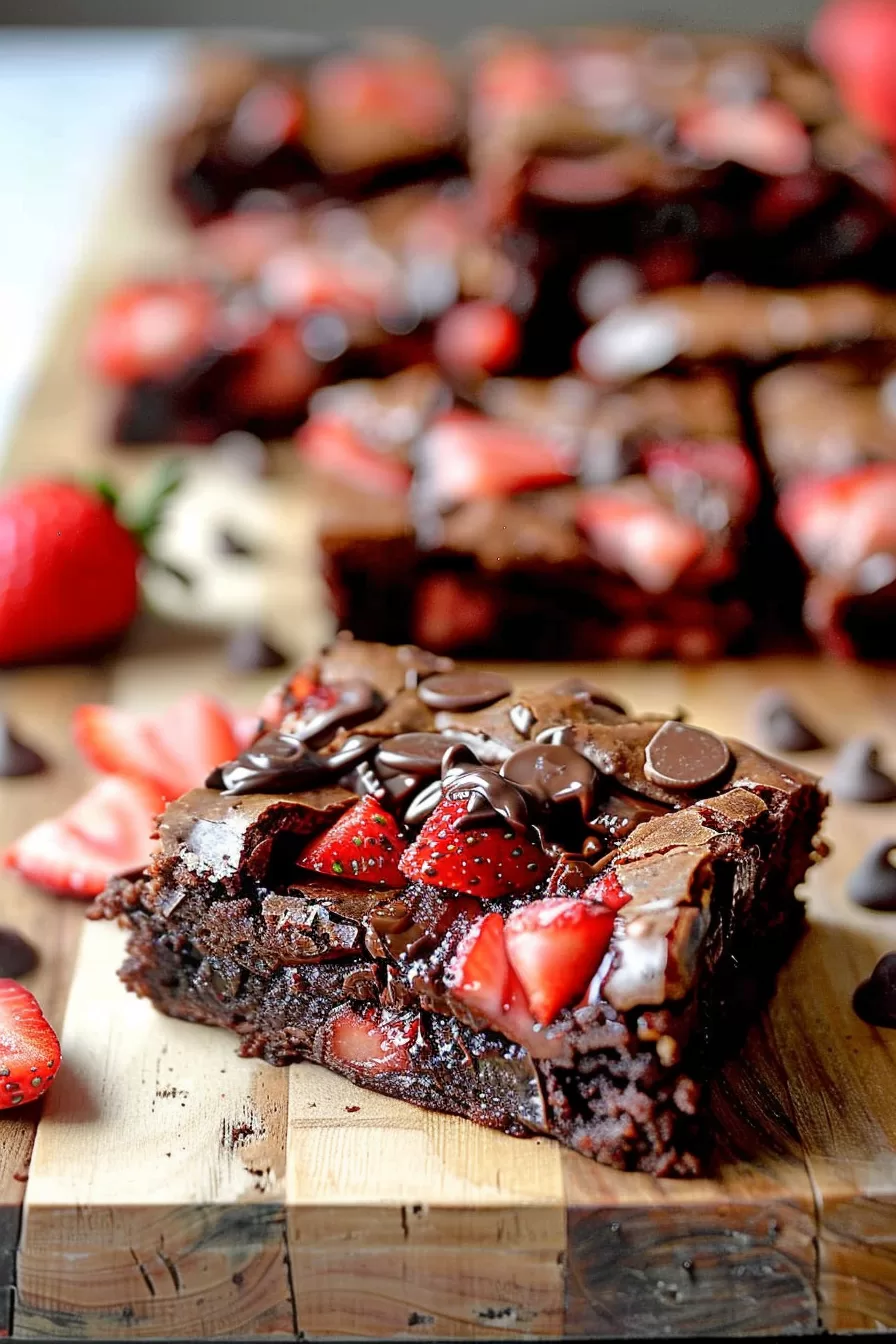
[106, 832]
[480, 979]
[856, 40]
[150, 330]
[669, 262]
[468, 456]
[173, 750]
[476, 338]
[785, 199]
[29, 1048]
[366, 1043]
[486, 862]
[607, 891]
[766, 136]
[365, 843]
[278, 376]
[68, 571]
[335, 446]
[718, 462]
[451, 614]
[636, 534]
[838, 521]
[555, 946]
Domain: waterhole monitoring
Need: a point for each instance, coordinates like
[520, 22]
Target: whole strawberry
[68, 567]
[29, 1049]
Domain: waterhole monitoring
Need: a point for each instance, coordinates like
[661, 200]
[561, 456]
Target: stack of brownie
[558, 314]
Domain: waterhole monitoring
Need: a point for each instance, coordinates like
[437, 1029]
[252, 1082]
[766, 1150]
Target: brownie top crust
[642, 814]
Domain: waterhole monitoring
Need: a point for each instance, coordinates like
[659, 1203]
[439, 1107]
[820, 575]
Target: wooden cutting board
[177, 1191]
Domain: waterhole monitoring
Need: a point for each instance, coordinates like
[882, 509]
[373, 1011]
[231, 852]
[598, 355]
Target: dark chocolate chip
[424, 804]
[464, 690]
[552, 775]
[457, 754]
[420, 663]
[17, 955]
[355, 747]
[276, 763]
[873, 883]
[249, 651]
[416, 753]
[491, 798]
[581, 689]
[679, 756]
[357, 702]
[779, 725]
[229, 544]
[875, 999]
[17, 759]
[855, 776]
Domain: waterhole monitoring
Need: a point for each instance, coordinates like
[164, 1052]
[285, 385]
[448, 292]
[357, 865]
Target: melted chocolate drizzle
[276, 763]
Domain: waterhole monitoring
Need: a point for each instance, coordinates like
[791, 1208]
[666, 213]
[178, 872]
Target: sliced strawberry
[635, 534]
[766, 135]
[518, 79]
[468, 456]
[278, 376]
[487, 862]
[555, 945]
[333, 445]
[785, 199]
[480, 980]
[150, 330]
[173, 750]
[856, 40]
[29, 1048]
[670, 262]
[607, 890]
[108, 831]
[835, 522]
[476, 338]
[365, 843]
[368, 1044]
[721, 462]
[450, 613]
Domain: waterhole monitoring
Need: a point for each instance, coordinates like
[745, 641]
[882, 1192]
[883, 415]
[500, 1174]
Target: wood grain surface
[176, 1191]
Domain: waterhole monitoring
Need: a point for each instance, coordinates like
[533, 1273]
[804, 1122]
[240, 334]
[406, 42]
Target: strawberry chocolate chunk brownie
[542, 517]
[533, 909]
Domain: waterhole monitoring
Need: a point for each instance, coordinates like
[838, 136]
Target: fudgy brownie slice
[542, 517]
[536, 910]
[829, 434]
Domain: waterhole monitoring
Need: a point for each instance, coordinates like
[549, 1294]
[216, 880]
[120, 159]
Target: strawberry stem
[143, 516]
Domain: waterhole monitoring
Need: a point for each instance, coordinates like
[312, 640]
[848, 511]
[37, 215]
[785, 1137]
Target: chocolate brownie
[536, 515]
[533, 909]
[829, 435]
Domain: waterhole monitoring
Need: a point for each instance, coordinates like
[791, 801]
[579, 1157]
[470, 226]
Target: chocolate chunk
[276, 763]
[424, 804]
[523, 718]
[873, 883]
[855, 776]
[580, 689]
[16, 757]
[464, 690]
[418, 754]
[17, 955]
[348, 752]
[228, 543]
[552, 775]
[492, 798]
[780, 727]
[356, 702]
[681, 757]
[249, 651]
[875, 999]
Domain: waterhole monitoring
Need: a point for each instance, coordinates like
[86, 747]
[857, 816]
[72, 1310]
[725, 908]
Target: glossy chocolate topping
[682, 757]
[356, 701]
[552, 775]
[464, 690]
[276, 763]
[491, 798]
[417, 753]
